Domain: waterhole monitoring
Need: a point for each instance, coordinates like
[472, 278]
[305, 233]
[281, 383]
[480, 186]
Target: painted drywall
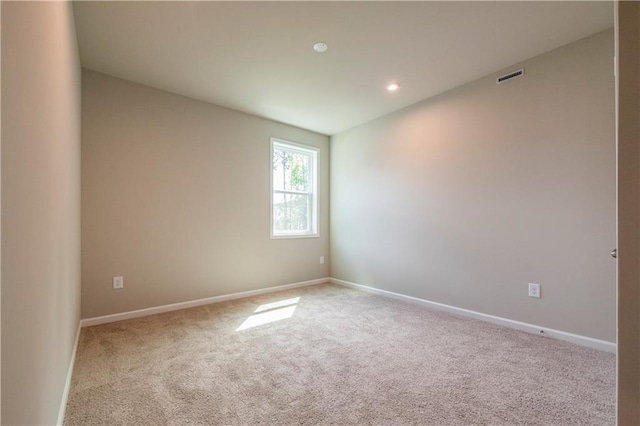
[0, 225]
[175, 198]
[467, 197]
[40, 207]
[628, 82]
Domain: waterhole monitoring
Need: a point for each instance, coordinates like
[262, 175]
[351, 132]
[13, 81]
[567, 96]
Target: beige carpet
[333, 356]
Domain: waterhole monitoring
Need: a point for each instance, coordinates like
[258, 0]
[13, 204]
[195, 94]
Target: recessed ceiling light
[320, 47]
[392, 87]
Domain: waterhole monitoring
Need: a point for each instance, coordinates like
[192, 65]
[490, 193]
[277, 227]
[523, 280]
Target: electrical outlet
[534, 290]
[118, 283]
[322, 260]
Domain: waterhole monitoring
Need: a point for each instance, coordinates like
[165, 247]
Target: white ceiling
[257, 57]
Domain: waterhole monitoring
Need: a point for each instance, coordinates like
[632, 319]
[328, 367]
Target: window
[294, 190]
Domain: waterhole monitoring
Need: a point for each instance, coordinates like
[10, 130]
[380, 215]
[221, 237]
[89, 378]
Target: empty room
[301, 213]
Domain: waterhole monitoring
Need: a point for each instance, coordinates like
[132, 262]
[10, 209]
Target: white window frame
[313, 184]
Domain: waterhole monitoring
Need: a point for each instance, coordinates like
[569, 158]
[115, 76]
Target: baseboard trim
[523, 326]
[193, 303]
[67, 383]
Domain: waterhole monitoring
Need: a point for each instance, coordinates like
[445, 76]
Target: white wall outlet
[322, 260]
[534, 290]
[118, 282]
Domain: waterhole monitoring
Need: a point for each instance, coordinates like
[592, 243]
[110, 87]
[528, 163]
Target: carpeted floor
[333, 356]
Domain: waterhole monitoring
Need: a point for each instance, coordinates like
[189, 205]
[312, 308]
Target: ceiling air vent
[510, 76]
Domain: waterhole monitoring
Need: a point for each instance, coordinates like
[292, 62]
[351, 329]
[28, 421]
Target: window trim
[314, 176]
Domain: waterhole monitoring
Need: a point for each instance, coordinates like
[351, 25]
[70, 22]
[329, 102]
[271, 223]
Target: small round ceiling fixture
[392, 87]
[320, 47]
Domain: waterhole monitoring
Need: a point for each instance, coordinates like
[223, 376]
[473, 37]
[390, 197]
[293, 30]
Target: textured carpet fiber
[331, 355]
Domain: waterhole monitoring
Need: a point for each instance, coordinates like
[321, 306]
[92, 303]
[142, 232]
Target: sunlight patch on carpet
[267, 317]
[280, 304]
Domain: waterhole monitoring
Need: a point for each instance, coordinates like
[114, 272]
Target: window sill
[294, 236]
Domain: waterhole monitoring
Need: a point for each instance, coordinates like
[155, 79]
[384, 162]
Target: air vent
[510, 76]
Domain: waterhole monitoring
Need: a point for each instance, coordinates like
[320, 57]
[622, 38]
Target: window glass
[294, 202]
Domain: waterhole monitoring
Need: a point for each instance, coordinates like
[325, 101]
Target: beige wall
[467, 197]
[0, 227]
[40, 207]
[628, 54]
[175, 198]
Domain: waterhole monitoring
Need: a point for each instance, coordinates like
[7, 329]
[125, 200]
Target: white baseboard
[192, 303]
[523, 326]
[67, 383]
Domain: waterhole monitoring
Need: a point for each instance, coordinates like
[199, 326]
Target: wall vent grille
[510, 76]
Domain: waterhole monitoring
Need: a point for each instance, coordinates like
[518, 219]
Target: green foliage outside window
[291, 173]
